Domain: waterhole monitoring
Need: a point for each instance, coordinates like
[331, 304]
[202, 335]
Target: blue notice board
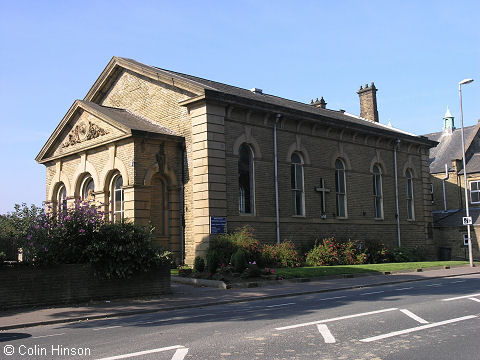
[218, 225]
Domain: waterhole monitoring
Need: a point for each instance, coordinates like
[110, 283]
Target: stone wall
[67, 284]
[320, 148]
[452, 238]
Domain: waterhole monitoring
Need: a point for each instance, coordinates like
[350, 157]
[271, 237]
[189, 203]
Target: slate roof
[275, 100]
[279, 101]
[449, 148]
[454, 217]
[129, 119]
[473, 165]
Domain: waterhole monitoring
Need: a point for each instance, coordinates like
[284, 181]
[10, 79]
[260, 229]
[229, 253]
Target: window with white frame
[409, 195]
[61, 199]
[474, 192]
[117, 198]
[340, 188]
[87, 188]
[246, 198]
[377, 192]
[298, 196]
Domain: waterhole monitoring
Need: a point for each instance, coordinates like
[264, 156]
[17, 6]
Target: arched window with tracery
[409, 195]
[61, 199]
[296, 176]
[117, 198]
[246, 193]
[340, 188]
[377, 192]
[87, 188]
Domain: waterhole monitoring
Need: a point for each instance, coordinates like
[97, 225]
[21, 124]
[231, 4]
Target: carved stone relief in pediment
[83, 131]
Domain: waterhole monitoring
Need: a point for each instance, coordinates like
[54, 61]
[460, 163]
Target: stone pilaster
[209, 174]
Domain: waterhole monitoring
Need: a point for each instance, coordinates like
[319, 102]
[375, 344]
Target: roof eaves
[230, 98]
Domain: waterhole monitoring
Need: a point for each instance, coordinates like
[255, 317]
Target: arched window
[409, 195]
[297, 185]
[340, 188]
[87, 189]
[246, 194]
[377, 192]
[61, 199]
[116, 198]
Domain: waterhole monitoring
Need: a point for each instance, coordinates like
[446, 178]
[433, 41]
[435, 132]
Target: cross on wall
[323, 191]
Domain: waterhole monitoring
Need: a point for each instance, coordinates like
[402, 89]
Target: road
[431, 319]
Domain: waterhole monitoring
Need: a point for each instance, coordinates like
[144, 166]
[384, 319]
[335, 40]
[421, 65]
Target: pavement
[186, 296]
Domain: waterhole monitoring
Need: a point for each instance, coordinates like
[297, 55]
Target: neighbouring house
[448, 189]
[195, 157]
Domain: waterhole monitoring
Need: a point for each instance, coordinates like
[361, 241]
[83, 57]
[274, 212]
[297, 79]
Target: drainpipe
[182, 204]
[277, 214]
[397, 215]
[447, 175]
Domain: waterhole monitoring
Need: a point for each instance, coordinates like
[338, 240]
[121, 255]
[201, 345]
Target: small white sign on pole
[467, 220]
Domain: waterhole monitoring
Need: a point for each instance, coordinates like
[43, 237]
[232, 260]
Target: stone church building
[194, 157]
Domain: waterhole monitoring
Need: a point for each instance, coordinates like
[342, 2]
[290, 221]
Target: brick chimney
[368, 102]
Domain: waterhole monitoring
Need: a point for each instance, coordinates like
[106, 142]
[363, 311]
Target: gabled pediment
[88, 125]
[82, 127]
[117, 65]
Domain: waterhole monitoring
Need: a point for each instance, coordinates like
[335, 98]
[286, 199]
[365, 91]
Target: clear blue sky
[416, 52]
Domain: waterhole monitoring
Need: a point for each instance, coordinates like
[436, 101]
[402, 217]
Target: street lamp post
[470, 255]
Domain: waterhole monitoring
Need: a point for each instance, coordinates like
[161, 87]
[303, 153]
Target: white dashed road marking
[418, 328]
[332, 298]
[474, 299]
[272, 306]
[461, 297]
[44, 336]
[406, 288]
[335, 319]
[180, 353]
[107, 327]
[325, 332]
[373, 292]
[413, 316]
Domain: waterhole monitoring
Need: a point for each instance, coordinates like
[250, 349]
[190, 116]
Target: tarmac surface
[187, 296]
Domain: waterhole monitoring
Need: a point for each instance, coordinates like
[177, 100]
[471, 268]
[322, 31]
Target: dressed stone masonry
[161, 147]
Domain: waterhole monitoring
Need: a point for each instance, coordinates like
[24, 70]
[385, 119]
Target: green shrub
[3, 257]
[213, 261]
[329, 252]
[401, 255]
[281, 255]
[123, 249]
[199, 264]
[224, 248]
[80, 235]
[14, 228]
[226, 245]
[376, 252]
[324, 253]
[251, 270]
[350, 253]
[239, 260]
[60, 238]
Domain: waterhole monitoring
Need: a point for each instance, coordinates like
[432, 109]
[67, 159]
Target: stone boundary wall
[26, 286]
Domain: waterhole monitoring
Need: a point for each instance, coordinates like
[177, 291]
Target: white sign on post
[467, 220]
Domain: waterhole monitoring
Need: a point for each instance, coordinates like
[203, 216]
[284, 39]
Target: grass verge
[317, 271]
[311, 271]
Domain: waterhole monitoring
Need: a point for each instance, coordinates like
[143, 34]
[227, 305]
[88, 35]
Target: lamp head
[466, 81]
